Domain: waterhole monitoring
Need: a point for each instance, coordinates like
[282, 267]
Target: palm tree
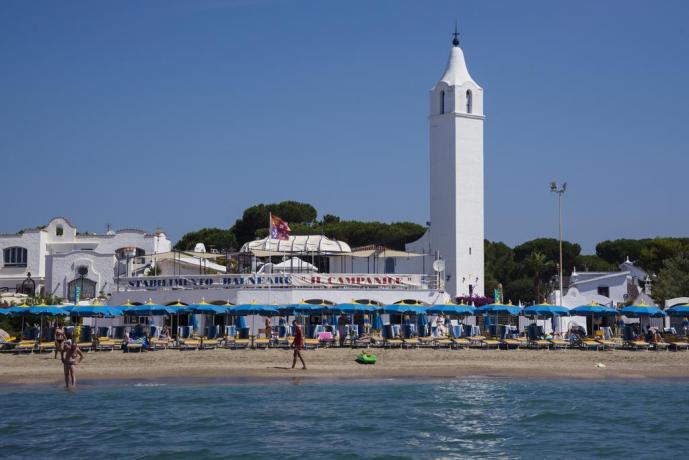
[538, 265]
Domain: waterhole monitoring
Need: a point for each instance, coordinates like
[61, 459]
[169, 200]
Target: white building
[456, 154]
[605, 288]
[59, 259]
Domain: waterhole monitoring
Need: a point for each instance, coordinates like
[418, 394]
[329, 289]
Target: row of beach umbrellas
[449, 309]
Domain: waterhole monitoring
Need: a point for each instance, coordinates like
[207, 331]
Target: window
[604, 291]
[59, 230]
[470, 101]
[389, 265]
[442, 102]
[14, 256]
[87, 289]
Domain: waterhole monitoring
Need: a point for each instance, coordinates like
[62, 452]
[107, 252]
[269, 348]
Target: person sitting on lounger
[165, 333]
[71, 356]
[654, 336]
[59, 338]
[298, 344]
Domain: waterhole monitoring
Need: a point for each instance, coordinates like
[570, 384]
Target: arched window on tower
[470, 101]
[442, 102]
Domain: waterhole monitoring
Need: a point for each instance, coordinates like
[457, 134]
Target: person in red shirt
[298, 344]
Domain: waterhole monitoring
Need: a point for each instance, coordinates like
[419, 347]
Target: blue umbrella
[642, 310]
[149, 310]
[203, 309]
[95, 311]
[48, 310]
[19, 311]
[403, 309]
[496, 308]
[352, 308]
[545, 310]
[678, 310]
[593, 309]
[253, 309]
[451, 309]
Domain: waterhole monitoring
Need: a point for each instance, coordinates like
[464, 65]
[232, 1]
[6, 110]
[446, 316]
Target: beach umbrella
[94, 311]
[593, 310]
[352, 308]
[643, 310]
[496, 309]
[451, 309]
[545, 310]
[678, 310]
[403, 309]
[253, 310]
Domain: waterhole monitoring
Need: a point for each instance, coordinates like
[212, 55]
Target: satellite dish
[438, 265]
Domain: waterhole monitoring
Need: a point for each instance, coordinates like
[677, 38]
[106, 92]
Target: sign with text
[277, 280]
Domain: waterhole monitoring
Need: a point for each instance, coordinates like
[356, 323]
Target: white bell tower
[456, 151]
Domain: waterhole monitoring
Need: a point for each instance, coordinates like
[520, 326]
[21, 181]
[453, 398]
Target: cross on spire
[455, 35]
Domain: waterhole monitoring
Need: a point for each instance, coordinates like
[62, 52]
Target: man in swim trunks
[59, 338]
[298, 344]
[71, 356]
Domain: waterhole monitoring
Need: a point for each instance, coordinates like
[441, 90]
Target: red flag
[279, 230]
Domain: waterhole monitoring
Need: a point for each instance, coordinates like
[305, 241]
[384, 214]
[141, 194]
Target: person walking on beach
[71, 356]
[298, 344]
[59, 339]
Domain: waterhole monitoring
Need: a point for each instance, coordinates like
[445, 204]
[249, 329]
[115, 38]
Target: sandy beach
[339, 364]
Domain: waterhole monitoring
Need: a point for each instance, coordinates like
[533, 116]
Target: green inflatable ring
[364, 358]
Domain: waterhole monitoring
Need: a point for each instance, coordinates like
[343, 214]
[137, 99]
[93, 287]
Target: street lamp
[560, 190]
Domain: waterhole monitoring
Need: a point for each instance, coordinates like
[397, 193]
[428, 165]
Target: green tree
[519, 290]
[216, 238]
[592, 263]
[500, 266]
[673, 278]
[550, 248]
[540, 269]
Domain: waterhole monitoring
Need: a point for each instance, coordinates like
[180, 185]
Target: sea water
[396, 419]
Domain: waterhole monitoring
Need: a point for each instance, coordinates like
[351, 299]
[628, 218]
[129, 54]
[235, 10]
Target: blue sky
[180, 114]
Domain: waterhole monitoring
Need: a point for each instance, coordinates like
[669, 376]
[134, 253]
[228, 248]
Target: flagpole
[270, 237]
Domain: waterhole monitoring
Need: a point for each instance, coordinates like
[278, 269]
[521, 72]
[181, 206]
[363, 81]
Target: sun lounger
[311, 343]
[263, 342]
[559, 343]
[239, 343]
[489, 343]
[660, 345]
[677, 343]
[189, 344]
[25, 346]
[46, 346]
[637, 345]
[511, 343]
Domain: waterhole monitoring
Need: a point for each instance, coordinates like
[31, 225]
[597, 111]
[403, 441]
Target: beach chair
[47, 340]
[456, 337]
[677, 343]
[212, 339]
[631, 342]
[25, 346]
[104, 341]
[389, 338]
[85, 341]
[607, 344]
[185, 339]
[535, 337]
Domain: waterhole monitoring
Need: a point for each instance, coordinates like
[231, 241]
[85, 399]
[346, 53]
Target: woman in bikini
[59, 338]
[71, 356]
[298, 344]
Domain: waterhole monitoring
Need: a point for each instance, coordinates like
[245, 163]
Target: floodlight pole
[560, 190]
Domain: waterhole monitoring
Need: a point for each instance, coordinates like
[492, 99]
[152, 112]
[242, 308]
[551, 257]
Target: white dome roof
[297, 244]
